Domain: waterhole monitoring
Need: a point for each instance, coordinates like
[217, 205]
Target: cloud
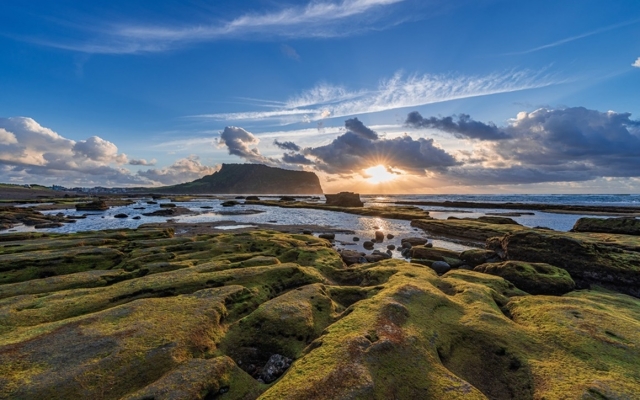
[315, 19]
[637, 63]
[99, 149]
[464, 127]
[399, 91]
[238, 140]
[286, 145]
[142, 161]
[571, 144]
[296, 159]
[7, 137]
[183, 170]
[357, 127]
[290, 52]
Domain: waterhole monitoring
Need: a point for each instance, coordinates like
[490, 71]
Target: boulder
[351, 257]
[440, 267]
[390, 236]
[391, 247]
[368, 245]
[436, 254]
[344, 199]
[476, 257]
[534, 278]
[355, 239]
[97, 205]
[121, 215]
[623, 225]
[379, 236]
[230, 203]
[328, 236]
[414, 241]
[375, 257]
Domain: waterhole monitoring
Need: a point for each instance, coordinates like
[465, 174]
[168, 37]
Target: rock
[97, 205]
[328, 236]
[623, 225]
[436, 254]
[240, 197]
[414, 241]
[479, 256]
[375, 257]
[137, 217]
[379, 236]
[497, 220]
[344, 199]
[534, 278]
[406, 245]
[351, 257]
[355, 239]
[406, 253]
[391, 247]
[614, 264]
[230, 203]
[168, 212]
[287, 198]
[467, 229]
[121, 215]
[368, 245]
[307, 232]
[48, 225]
[152, 202]
[167, 205]
[275, 367]
[440, 267]
[253, 198]
[140, 208]
[390, 236]
[206, 207]
[389, 253]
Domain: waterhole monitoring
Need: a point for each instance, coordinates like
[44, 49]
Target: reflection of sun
[379, 174]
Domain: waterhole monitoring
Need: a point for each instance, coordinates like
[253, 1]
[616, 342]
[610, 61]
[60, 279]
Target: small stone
[406, 245]
[391, 247]
[379, 236]
[137, 217]
[440, 267]
[328, 236]
[368, 245]
[390, 236]
[355, 239]
[121, 216]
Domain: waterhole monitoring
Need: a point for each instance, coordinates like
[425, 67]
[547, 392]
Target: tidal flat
[184, 310]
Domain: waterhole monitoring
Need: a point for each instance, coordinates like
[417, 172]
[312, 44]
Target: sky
[376, 96]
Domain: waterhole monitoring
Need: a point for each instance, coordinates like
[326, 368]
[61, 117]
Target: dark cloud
[350, 153]
[296, 159]
[357, 127]
[287, 145]
[142, 161]
[464, 127]
[572, 144]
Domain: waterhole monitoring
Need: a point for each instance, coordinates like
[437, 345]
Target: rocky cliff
[253, 179]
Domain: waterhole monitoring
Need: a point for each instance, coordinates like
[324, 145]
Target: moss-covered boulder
[534, 278]
[436, 254]
[623, 225]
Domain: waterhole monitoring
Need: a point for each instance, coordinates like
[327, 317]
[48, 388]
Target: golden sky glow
[379, 174]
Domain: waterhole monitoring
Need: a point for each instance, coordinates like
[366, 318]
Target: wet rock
[48, 225]
[406, 245]
[355, 239]
[476, 257]
[206, 207]
[230, 203]
[440, 267]
[167, 205]
[389, 253]
[253, 198]
[379, 236]
[274, 368]
[368, 245]
[375, 257]
[137, 217]
[140, 208]
[240, 197]
[344, 199]
[121, 215]
[390, 236]
[328, 236]
[414, 241]
[391, 247]
[152, 202]
[97, 205]
[287, 198]
[351, 257]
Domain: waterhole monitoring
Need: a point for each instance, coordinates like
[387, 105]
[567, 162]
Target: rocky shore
[141, 314]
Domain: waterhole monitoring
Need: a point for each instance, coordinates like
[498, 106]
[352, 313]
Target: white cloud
[142, 161]
[399, 91]
[315, 19]
[637, 63]
[183, 170]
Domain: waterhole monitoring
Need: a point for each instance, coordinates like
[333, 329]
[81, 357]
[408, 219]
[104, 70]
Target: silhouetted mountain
[250, 179]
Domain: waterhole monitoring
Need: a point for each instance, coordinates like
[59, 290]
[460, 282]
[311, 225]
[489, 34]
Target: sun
[379, 174]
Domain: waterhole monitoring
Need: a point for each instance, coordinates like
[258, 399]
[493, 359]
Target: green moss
[534, 278]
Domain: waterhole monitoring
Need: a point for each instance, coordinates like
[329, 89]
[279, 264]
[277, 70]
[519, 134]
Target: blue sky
[158, 92]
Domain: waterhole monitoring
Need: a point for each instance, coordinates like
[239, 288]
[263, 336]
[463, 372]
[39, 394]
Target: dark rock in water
[240, 197]
[138, 208]
[406, 253]
[441, 267]
[355, 239]
[414, 241]
[406, 245]
[379, 236]
[351, 257]
[84, 216]
[121, 216]
[328, 236]
[307, 232]
[251, 179]
[230, 203]
[368, 245]
[137, 217]
[274, 368]
[344, 199]
[287, 198]
[476, 257]
[623, 225]
[48, 225]
[389, 253]
[428, 245]
[168, 212]
[252, 198]
[497, 220]
[390, 236]
[206, 207]
[152, 202]
[391, 247]
[167, 205]
[97, 205]
[534, 278]
[273, 221]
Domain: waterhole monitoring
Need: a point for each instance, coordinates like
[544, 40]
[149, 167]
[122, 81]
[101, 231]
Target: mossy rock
[623, 225]
[436, 254]
[534, 278]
